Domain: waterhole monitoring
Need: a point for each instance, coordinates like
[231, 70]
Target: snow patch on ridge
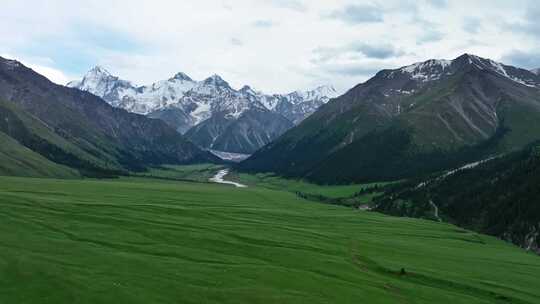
[427, 71]
[434, 69]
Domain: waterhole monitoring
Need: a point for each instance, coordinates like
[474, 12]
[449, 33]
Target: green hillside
[149, 241]
[498, 197]
[17, 160]
[37, 136]
[82, 131]
[397, 125]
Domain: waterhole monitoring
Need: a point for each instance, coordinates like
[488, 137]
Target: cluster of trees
[354, 200]
[500, 197]
[391, 154]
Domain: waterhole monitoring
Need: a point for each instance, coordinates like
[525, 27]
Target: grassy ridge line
[135, 241]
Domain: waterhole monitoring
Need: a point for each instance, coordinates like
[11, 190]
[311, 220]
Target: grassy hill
[498, 197]
[80, 130]
[147, 241]
[37, 136]
[17, 160]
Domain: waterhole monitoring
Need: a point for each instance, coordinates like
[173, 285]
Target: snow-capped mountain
[435, 113]
[536, 71]
[185, 103]
[296, 106]
[137, 99]
[436, 69]
[410, 79]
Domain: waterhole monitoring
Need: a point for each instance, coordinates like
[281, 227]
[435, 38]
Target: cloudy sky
[274, 45]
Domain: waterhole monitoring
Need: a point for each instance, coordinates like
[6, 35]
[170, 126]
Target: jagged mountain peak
[98, 70]
[216, 80]
[248, 90]
[182, 76]
[470, 57]
[324, 90]
[431, 63]
[435, 69]
[185, 104]
[100, 82]
[410, 113]
[10, 63]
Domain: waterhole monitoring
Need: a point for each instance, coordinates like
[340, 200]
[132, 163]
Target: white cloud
[53, 74]
[146, 41]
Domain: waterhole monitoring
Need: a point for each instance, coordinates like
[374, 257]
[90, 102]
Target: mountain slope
[250, 131]
[37, 136]
[184, 103]
[17, 160]
[83, 129]
[498, 197]
[416, 119]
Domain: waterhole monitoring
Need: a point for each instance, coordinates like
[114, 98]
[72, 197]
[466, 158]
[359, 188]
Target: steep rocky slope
[417, 119]
[78, 129]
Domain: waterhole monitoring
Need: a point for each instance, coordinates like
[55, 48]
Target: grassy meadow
[196, 173]
[274, 182]
[140, 240]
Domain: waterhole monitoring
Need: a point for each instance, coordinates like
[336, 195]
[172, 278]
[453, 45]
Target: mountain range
[411, 124]
[61, 128]
[210, 112]
[414, 120]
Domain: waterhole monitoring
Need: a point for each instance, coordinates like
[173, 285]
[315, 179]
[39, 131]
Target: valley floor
[141, 240]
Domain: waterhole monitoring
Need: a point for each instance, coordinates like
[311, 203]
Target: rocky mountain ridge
[198, 100]
[210, 112]
[445, 112]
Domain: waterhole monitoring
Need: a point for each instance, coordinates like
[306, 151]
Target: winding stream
[218, 178]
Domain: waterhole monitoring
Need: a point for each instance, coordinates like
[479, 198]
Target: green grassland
[198, 172]
[271, 181]
[157, 241]
[348, 194]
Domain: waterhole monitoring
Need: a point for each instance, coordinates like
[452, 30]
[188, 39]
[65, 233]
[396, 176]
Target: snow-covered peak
[432, 63]
[435, 69]
[536, 71]
[216, 80]
[321, 92]
[100, 82]
[248, 90]
[97, 75]
[518, 75]
[199, 100]
[429, 70]
[182, 76]
[98, 71]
